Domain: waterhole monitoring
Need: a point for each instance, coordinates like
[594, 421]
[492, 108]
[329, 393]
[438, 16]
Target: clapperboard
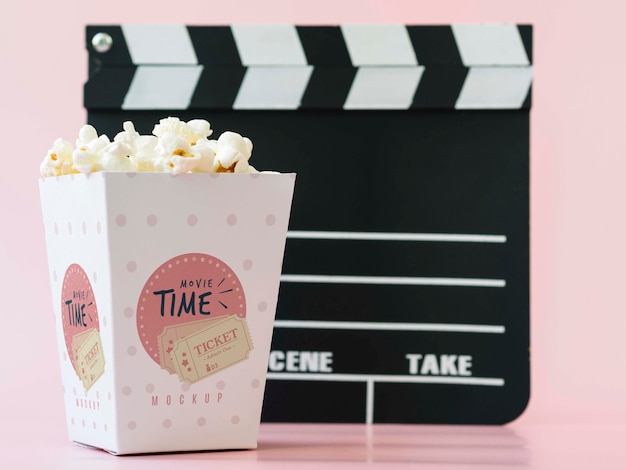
[405, 293]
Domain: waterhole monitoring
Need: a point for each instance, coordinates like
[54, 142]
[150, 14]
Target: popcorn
[201, 127]
[175, 155]
[87, 156]
[191, 131]
[115, 157]
[233, 153]
[141, 148]
[207, 150]
[175, 147]
[58, 161]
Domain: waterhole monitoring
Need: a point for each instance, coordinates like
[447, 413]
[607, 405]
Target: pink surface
[577, 226]
[281, 446]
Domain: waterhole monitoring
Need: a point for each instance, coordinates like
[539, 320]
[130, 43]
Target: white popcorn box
[164, 292]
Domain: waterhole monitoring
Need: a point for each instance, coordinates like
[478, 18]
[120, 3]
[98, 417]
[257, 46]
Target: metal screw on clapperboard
[102, 42]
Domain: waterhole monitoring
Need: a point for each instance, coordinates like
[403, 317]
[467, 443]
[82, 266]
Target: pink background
[577, 161]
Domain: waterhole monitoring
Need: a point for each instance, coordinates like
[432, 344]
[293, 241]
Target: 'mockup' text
[187, 399]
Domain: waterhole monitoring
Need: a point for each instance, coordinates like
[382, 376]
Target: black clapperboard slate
[405, 288]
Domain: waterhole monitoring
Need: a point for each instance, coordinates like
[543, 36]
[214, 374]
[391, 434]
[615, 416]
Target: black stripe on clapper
[526, 33]
[107, 86]
[444, 73]
[439, 87]
[117, 55]
[222, 74]
[217, 87]
[214, 45]
[333, 72]
[434, 45]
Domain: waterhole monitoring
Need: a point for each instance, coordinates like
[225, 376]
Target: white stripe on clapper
[390, 326]
[159, 44]
[495, 88]
[392, 280]
[266, 87]
[389, 87]
[162, 87]
[269, 45]
[396, 236]
[490, 45]
[378, 45]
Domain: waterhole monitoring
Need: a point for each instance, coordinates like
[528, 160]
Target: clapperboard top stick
[286, 67]
[405, 287]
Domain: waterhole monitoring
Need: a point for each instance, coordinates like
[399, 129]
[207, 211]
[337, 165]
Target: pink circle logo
[81, 325]
[185, 294]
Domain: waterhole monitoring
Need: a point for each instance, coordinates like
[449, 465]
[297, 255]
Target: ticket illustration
[87, 349]
[212, 349]
[170, 336]
[77, 341]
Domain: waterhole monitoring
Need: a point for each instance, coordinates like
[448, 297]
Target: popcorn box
[164, 293]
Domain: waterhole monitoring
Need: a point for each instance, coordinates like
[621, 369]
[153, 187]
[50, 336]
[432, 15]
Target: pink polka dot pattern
[270, 219]
[120, 220]
[231, 220]
[167, 423]
[192, 220]
[69, 228]
[151, 220]
[128, 312]
[201, 421]
[98, 228]
[126, 391]
[56, 229]
[132, 350]
[262, 307]
[255, 383]
[247, 264]
[95, 276]
[221, 385]
[84, 228]
[132, 425]
[185, 386]
[234, 419]
[131, 266]
[150, 388]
